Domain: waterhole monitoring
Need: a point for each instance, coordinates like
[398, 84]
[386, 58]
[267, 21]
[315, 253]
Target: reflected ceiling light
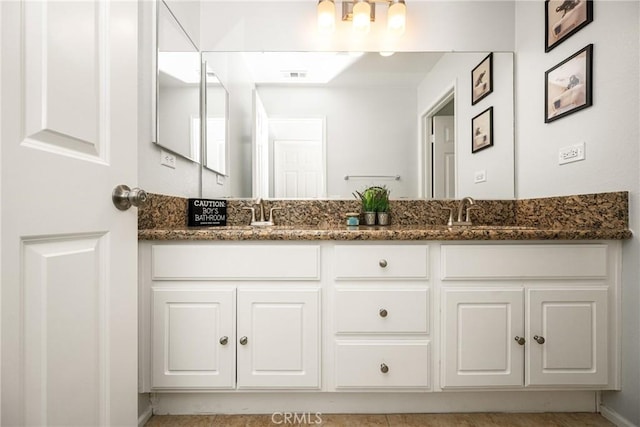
[385, 54]
[326, 16]
[362, 13]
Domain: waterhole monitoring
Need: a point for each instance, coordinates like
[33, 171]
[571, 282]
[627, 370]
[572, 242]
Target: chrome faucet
[467, 219]
[261, 219]
[260, 203]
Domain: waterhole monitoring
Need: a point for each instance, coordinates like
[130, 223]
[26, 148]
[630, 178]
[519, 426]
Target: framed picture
[482, 130]
[564, 18]
[482, 79]
[568, 85]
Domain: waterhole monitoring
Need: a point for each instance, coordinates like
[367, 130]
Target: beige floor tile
[430, 420]
[247, 421]
[344, 420]
[181, 421]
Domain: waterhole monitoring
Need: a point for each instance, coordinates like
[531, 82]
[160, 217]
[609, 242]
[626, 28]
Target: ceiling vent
[294, 74]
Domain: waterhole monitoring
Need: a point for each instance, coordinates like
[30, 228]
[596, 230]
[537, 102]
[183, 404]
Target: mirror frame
[156, 139]
[204, 114]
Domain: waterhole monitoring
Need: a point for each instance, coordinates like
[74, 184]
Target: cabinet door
[479, 327]
[279, 336]
[189, 345]
[571, 330]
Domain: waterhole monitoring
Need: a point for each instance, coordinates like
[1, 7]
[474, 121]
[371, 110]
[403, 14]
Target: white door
[567, 337]
[480, 333]
[261, 148]
[297, 169]
[444, 171]
[279, 339]
[68, 258]
[193, 338]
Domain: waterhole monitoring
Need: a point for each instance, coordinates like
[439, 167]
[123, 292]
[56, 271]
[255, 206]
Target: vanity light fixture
[361, 13]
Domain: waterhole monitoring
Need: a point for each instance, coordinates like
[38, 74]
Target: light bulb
[397, 17]
[326, 16]
[361, 17]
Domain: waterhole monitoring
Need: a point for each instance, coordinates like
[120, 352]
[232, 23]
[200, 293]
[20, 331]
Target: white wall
[370, 131]
[179, 104]
[498, 160]
[611, 132]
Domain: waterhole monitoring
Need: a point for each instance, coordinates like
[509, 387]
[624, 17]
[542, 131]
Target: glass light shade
[361, 17]
[397, 18]
[326, 16]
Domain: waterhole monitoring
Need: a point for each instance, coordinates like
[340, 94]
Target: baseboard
[615, 417]
[142, 419]
[325, 402]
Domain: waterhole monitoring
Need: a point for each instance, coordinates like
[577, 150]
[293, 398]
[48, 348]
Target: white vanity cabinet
[221, 319]
[528, 316]
[381, 316]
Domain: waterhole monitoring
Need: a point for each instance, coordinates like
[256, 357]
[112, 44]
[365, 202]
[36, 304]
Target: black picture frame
[563, 18]
[568, 86]
[482, 79]
[482, 130]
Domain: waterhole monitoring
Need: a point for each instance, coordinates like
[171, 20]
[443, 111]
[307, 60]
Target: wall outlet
[571, 154]
[480, 176]
[167, 159]
[219, 179]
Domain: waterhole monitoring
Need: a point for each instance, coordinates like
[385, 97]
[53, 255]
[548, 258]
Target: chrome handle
[539, 340]
[384, 368]
[224, 340]
[271, 213]
[123, 197]
[243, 340]
[520, 340]
[383, 312]
[382, 263]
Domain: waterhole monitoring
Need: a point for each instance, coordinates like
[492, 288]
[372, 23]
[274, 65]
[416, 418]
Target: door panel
[479, 331]
[573, 323]
[188, 331]
[69, 136]
[444, 173]
[282, 331]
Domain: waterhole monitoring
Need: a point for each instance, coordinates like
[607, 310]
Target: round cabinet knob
[243, 340]
[383, 312]
[539, 340]
[384, 368]
[520, 340]
[224, 340]
[382, 263]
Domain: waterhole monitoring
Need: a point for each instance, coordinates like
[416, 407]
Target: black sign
[206, 212]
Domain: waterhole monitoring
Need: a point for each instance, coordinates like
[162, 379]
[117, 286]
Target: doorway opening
[438, 135]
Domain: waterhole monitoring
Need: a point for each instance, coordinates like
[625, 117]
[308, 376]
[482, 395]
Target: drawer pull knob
[243, 340]
[224, 340]
[520, 340]
[384, 368]
[383, 263]
[383, 312]
[539, 340]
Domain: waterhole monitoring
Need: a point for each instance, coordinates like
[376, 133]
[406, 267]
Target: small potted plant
[369, 200]
[382, 205]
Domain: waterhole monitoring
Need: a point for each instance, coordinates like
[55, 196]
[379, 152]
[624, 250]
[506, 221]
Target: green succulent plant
[374, 199]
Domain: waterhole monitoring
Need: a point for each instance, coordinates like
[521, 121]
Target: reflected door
[297, 168]
[444, 170]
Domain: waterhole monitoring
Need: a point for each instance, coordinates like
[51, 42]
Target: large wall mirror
[178, 87]
[328, 123]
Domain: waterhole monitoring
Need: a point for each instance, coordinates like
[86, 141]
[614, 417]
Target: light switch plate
[480, 176]
[167, 159]
[570, 154]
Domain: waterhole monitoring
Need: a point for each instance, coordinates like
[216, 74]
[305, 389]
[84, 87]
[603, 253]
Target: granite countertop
[402, 232]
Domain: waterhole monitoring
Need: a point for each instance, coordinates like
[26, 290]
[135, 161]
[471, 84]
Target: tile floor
[388, 420]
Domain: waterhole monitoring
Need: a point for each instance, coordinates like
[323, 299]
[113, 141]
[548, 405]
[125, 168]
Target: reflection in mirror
[178, 88]
[326, 124]
[216, 128]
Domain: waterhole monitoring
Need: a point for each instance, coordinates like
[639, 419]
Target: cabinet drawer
[381, 262]
[382, 311]
[470, 262]
[235, 262]
[360, 364]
